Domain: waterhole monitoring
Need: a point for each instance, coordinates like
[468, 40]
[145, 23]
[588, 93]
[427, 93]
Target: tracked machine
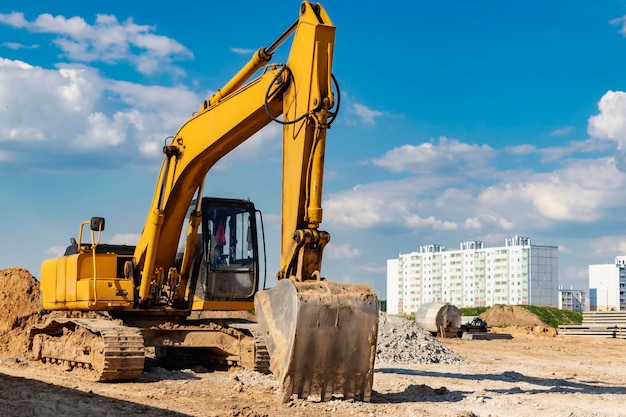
[318, 337]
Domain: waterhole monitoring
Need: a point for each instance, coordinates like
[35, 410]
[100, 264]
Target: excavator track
[108, 350]
[261, 354]
[250, 351]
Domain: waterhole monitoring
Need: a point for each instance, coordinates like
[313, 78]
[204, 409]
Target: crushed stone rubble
[402, 341]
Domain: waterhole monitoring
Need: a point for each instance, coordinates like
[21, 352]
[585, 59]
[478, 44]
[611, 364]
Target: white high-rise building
[516, 273]
[607, 286]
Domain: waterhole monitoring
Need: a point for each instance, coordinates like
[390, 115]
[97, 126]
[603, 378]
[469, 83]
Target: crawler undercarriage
[110, 350]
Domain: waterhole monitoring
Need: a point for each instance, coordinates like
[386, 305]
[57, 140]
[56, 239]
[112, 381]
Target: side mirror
[97, 224]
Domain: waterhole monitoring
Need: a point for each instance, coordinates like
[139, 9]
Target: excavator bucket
[321, 337]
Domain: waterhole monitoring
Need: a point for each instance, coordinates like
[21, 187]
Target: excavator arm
[301, 91]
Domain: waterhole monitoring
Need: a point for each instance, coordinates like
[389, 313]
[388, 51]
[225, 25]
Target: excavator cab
[225, 272]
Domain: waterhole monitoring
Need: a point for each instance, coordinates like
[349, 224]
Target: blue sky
[459, 121]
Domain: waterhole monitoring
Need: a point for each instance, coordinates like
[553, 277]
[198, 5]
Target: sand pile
[20, 308]
[516, 320]
[503, 315]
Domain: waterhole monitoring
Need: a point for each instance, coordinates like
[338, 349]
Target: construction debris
[402, 341]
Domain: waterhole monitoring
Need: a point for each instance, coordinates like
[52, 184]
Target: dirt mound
[503, 315]
[20, 308]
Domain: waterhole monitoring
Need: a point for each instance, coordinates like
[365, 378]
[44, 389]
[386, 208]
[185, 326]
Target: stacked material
[598, 323]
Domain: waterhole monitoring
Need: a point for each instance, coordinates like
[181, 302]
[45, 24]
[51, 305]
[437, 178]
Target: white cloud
[578, 192]
[564, 249]
[620, 21]
[78, 88]
[371, 268]
[443, 197]
[342, 251]
[382, 205]
[416, 222]
[8, 64]
[524, 149]
[587, 146]
[611, 122]
[472, 223]
[73, 109]
[357, 209]
[107, 40]
[364, 113]
[563, 131]
[484, 221]
[438, 195]
[14, 19]
[124, 239]
[15, 46]
[243, 51]
[55, 251]
[447, 156]
[150, 148]
[556, 153]
[610, 246]
[104, 132]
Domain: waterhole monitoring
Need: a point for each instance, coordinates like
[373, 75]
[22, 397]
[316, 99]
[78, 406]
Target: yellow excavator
[197, 255]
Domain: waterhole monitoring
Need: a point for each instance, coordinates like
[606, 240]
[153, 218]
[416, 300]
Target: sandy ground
[528, 375]
[531, 374]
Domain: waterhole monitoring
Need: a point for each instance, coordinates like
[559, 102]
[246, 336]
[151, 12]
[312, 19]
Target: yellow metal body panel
[68, 283]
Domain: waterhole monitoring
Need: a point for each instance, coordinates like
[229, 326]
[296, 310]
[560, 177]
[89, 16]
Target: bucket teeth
[324, 386]
[304, 387]
[287, 389]
[326, 392]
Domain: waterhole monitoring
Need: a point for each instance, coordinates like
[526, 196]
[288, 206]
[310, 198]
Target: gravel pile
[402, 341]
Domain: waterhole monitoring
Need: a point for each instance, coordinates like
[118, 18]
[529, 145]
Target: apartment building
[474, 275]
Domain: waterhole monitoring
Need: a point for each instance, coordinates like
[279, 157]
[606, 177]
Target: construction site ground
[534, 373]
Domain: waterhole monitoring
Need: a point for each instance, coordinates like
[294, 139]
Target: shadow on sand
[28, 397]
[532, 384]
